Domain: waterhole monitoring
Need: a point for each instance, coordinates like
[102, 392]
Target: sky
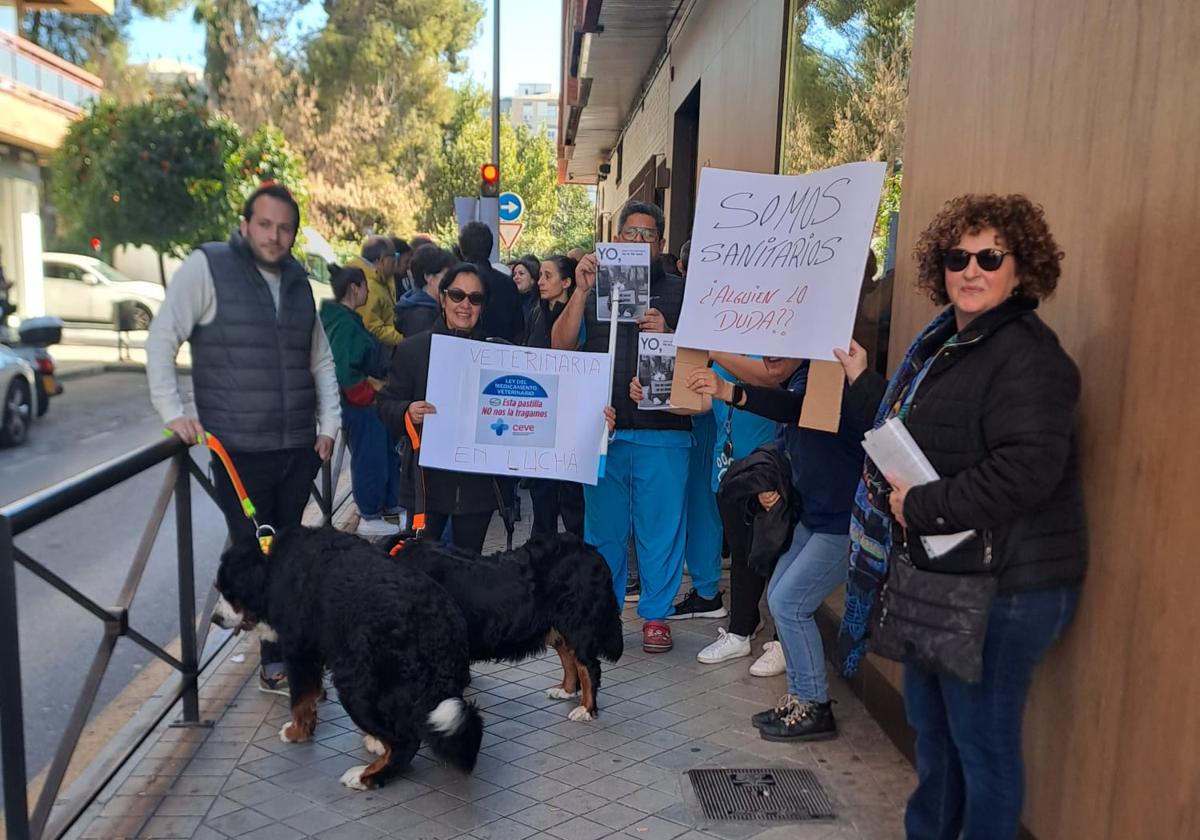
[529, 41]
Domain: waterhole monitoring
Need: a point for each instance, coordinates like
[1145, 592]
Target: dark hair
[376, 248]
[427, 260]
[565, 265]
[272, 190]
[645, 208]
[684, 253]
[341, 279]
[532, 264]
[462, 268]
[475, 242]
[421, 239]
[1022, 227]
[399, 246]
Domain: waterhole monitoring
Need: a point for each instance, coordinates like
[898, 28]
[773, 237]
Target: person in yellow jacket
[379, 312]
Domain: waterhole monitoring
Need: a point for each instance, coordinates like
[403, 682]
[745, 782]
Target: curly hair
[1022, 227]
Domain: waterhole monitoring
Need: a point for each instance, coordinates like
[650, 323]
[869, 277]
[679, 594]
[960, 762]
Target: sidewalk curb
[84, 370]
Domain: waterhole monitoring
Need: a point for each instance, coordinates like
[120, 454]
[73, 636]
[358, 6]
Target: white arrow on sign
[512, 207]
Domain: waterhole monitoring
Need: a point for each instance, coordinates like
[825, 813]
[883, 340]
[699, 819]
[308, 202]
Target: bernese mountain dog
[554, 590]
[395, 642]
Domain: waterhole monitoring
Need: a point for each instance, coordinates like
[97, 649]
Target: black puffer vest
[251, 367]
[666, 295]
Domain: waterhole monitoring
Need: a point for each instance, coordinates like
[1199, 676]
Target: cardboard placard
[686, 361]
[822, 408]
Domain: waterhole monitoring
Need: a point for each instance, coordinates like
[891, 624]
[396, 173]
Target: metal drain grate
[763, 793]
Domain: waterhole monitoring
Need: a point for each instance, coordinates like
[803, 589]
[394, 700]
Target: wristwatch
[736, 397]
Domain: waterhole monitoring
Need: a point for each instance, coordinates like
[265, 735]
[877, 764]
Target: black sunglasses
[457, 295]
[989, 259]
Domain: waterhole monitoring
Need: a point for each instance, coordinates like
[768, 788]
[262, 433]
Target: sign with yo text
[517, 411]
[777, 260]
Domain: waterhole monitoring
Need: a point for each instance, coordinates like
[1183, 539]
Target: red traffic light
[95, 243]
[490, 173]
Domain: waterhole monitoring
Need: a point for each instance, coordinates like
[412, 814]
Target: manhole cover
[760, 794]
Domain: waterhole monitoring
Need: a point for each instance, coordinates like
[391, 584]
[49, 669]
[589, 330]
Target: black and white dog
[554, 590]
[395, 642]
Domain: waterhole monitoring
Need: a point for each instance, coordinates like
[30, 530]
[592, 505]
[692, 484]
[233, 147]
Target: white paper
[517, 411]
[895, 452]
[777, 260]
[623, 271]
[656, 370]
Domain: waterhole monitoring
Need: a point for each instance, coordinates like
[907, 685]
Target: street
[97, 418]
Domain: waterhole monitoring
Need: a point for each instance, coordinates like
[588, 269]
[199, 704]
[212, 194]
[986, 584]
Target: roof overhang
[71, 7]
[610, 48]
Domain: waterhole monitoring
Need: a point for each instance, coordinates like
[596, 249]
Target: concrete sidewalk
[539, 775]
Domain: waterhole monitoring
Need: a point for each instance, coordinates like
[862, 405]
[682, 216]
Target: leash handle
[417, 524]
[218, 449]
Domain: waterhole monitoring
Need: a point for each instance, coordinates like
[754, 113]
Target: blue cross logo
[499, 427]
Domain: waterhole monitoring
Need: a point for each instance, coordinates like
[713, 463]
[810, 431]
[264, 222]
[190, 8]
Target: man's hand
[636, 392]
[323, 447]
[896, 499]
[610, 418]
[768, 499]
[188, 430]
[705, 381]
[585, 273]
[418, 409]
[853, 362]
[653, 321]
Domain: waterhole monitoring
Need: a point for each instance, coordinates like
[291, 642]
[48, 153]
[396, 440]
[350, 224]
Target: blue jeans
[971, 775]
[813, 567]
[374, 462]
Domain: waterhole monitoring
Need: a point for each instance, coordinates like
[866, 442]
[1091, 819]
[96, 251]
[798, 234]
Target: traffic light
[489, 181]
[95, 243]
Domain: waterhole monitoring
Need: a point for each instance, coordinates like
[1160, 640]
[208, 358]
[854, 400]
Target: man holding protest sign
[646, 467]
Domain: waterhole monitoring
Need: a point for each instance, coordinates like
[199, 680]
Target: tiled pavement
[539, 776]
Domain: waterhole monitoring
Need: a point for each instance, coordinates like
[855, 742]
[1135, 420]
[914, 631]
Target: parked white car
[85, 289]
[17, 383]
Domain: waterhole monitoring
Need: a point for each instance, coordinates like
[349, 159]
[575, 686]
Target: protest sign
[623, 274]
[656, 370]
[516, 411]
[687, 361]
[777, 260]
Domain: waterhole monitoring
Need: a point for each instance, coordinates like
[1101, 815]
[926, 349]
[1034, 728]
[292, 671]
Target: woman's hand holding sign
[705, 381]
[585, 272]
[653, 321]
[417, 409]
[636, 392]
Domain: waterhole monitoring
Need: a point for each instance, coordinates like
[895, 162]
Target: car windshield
[110, 273]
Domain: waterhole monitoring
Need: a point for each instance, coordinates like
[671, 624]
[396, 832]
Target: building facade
[534, 106]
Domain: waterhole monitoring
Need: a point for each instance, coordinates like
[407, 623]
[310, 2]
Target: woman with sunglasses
[467, 500]
[989, 395]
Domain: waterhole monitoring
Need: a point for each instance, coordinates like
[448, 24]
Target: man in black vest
[503, 316]
[647, 464]
[262, 372]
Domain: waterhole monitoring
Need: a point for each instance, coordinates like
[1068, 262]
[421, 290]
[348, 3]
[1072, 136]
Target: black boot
[786, 703]
[803, 722]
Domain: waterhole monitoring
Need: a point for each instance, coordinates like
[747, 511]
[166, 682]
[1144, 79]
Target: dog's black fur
[554, 590]
[395, 641]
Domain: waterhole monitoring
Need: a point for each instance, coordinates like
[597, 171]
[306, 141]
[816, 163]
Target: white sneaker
[376, 528]
[771, 663]
[727, 646]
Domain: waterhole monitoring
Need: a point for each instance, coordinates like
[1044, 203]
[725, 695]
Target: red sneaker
[656, 637]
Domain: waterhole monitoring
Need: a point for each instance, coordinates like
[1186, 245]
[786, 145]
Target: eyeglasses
[457, 295]
[640, 233]
[989, 259]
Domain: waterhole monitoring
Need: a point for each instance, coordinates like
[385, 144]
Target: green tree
[574, 222]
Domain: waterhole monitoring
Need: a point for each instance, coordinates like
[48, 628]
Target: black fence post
[12, 716]
[187, 590]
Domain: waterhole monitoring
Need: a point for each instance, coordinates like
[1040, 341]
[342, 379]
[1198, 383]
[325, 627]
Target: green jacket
[353, 349]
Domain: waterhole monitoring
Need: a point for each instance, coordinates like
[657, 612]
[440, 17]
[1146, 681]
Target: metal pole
[496, 83]
[187, 591]
[12, 716]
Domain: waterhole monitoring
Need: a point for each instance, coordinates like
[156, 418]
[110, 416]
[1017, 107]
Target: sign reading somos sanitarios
[519, 411]
[777, 260]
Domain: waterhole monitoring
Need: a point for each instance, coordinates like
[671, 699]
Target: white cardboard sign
[517, 411]
[777, 260]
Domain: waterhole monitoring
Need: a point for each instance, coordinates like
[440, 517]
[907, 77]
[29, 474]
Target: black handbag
[935, 621]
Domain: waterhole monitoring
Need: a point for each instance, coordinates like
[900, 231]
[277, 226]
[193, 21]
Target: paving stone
[467, 817]
[509, 751]
[637, 750]
[255, 792]
[579, 828]
[541, 740]
[573, 750]
[542, 816]
[350, 831]
[358, 804]
[434, 803]
[239, 822]
[314, 820]
[507, 802]
[540, 762]
[613, 787]
[647, 800]
[511, 729]
[505, 775]
[170, 827]
[428, 830]
[283, 806]
[576, 775]
[578, 801]
[541, 788]
[393, 819]
[502, 829]
[274, 831]
[185, 806]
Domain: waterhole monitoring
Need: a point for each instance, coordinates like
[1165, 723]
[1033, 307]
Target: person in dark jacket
[504, 317]
[989, 395]
[825, 467]
[552, 499]
[466, 499]
[645, 474]
[374, 463]
[417, 309]
[525, 273]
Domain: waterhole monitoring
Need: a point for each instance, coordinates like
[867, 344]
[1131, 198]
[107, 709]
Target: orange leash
[417, 524]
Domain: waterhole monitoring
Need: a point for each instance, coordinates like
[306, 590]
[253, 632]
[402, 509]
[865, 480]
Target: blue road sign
[512, 207]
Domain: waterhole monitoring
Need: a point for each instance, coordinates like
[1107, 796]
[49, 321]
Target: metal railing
[33, 510]
[38, 70]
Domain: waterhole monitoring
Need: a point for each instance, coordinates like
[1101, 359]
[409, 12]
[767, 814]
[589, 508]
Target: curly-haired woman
[990, 396]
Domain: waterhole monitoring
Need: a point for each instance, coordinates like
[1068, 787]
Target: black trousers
[745, 591]
[552, 499]
[467, 530]
[279, 483]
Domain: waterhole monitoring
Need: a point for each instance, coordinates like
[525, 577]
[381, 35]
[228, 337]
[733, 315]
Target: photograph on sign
[516, 411]
[656, 370]
[777, 261]
[623, 271]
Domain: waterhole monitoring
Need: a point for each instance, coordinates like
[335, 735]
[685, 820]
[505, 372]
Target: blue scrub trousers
[643, 486]
[702, 551]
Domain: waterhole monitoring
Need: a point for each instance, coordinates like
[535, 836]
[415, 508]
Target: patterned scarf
[871, 518]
